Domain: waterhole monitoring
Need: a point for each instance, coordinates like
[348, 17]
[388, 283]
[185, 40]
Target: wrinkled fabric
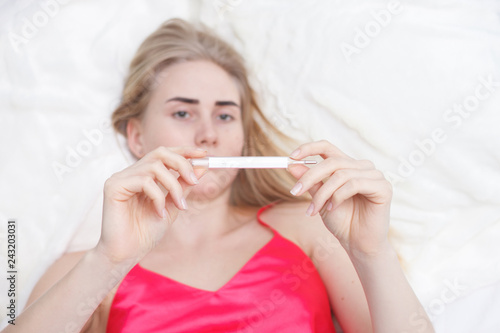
[277, 290]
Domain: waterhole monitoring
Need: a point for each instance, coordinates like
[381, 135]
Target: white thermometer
[247, 162]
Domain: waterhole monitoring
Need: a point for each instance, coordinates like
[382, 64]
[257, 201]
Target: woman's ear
[134, 137]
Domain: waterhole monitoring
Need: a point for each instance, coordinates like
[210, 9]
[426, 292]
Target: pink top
[277, 290]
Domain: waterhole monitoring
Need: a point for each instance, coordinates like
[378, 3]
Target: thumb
[297, 170]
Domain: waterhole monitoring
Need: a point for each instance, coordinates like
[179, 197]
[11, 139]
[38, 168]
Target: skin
[349, 212]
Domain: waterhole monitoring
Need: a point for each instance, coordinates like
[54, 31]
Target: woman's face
[197, 104]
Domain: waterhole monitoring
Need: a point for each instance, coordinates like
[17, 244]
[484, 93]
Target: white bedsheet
[413, 86]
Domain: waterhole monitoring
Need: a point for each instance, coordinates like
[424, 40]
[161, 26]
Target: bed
[412, 86]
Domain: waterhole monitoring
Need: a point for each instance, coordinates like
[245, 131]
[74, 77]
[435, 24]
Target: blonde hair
[178, 41]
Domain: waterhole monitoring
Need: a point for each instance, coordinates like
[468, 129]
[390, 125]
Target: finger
[322, 148]
[176, 159]
[153, 192]
[325, 191]
[122, 189]
[200, 172]
[377, 191]
[186, 189]
[323, 171]
[184, 166]
[187, 151]
[171, 206]
[170, 183]
[297, 171]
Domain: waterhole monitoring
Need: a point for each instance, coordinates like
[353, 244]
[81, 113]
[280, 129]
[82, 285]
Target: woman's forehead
[197, 80]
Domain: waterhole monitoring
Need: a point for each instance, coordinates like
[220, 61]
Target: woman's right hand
[141, 201]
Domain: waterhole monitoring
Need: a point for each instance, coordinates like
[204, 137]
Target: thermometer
[247, 162]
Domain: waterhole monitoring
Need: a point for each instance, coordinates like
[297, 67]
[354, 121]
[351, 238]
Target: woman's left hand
[352, 197]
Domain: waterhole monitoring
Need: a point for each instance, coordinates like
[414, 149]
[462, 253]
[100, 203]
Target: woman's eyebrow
[195, 101]
[224, 103]
[184, 100]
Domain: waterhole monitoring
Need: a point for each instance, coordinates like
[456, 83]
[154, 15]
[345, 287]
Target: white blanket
[412, 86]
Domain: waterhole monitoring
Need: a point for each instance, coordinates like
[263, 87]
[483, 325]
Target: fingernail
[164, 213]
[296, 189]
[184, 204]
[193, 178]
[310, 209]
[329, 207]
[295, 153]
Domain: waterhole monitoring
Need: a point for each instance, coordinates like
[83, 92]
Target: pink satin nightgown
[277, 290]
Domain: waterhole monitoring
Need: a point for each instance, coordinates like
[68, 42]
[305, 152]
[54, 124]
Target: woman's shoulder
[290, 220]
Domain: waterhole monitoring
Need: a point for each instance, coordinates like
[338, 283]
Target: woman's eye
[181, 114]
[226, 117]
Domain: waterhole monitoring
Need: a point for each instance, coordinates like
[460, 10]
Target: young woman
[186, 249]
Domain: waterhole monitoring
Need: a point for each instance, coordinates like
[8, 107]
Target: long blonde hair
[178, 41]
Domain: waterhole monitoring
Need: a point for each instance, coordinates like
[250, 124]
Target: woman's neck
[209, 220]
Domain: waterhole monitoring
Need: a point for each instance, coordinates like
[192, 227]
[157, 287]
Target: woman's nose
[206, 134]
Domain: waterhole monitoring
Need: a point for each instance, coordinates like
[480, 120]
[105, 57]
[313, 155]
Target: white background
[381, 80]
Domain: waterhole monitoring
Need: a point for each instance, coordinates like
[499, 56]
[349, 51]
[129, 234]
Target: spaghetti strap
[262, 210]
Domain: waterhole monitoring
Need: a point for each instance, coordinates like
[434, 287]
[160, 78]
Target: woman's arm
[140, 203]
[69, 303]
[353, 199]
[349, 284]
[56, 272]
[394, 307]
